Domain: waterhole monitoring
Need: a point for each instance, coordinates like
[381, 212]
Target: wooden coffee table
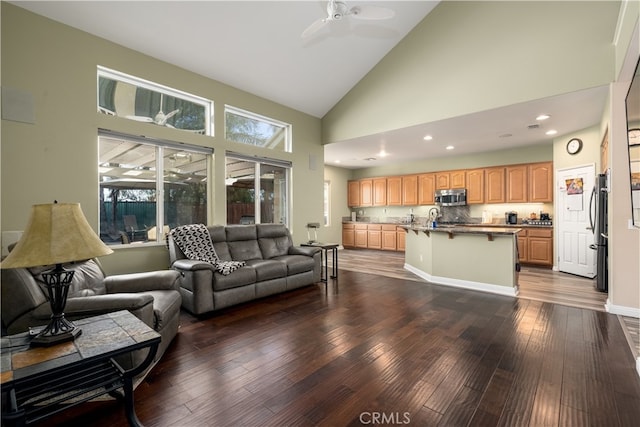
[40, 381]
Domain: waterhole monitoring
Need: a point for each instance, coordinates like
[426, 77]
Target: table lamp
[313, 226]
[56, 233]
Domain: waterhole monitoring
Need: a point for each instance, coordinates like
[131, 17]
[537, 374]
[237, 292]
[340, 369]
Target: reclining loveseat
[227, 265]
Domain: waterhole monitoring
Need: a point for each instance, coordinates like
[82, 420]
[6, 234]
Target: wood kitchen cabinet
[366, 192]
[457, 179]
[374, 236]
[348, 235]
[410, 190]
[394, 191]
[401, 238]
[494, 191]
[361, 236]
[540, 177]
[443, 181]
[426, 188]
[475, 186]
[389, 237]
[380, 192]
[535, 246]
[517, 184]
[353, 193]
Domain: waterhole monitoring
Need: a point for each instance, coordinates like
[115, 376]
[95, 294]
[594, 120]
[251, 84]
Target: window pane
[132, 207]
[136, 99]
[127, 190]
[185, 188]
[273, 194]
[251, 129]
[240, 183]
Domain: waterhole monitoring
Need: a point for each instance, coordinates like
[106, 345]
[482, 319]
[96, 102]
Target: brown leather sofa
[273, 265]
[153, 297]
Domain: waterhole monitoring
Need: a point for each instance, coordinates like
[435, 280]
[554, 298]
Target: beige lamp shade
[55, 234]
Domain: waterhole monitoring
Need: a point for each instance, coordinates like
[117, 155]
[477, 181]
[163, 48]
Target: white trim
[622, 310]
[465, 284]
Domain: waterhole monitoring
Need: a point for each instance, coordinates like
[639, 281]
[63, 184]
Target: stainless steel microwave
[453, 197]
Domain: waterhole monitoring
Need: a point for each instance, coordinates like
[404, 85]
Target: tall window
[257, 190]
[253, 129]
[136, 99]
[327, 203]
[148, 187]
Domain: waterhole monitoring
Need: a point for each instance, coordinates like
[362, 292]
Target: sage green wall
[56, 157]
[472, 56]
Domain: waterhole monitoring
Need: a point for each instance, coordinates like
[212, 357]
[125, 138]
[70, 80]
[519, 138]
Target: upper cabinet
[540, 182]
[517, 186]
[426, 188]
[524, 183]
[380, 192]
[410, 190]
[475, 186]
[353, 193]
[366, 192]
[394, 191]
[494, 191]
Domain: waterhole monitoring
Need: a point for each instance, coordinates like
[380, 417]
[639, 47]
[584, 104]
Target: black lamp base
[59, 329]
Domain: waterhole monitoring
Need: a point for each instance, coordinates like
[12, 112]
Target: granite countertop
[463, 229]
[472, 225]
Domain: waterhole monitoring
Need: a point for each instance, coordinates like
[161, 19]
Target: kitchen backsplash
[468, 214]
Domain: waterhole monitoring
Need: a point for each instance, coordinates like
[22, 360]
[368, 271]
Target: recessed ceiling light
[383, 153]
[369, 158]
[551, 132]
[543, 117]
[337, 161]
[427, 138]
[450, 147]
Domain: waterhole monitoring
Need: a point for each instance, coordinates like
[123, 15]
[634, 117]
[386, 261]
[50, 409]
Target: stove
[546, 222]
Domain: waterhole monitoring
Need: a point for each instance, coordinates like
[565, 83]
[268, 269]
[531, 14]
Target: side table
[40, 381]
[324, 257]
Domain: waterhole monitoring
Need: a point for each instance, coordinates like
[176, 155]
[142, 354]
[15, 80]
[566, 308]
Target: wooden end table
[37, 382]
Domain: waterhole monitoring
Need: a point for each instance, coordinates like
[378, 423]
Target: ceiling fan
[160, 118]
[336, 10]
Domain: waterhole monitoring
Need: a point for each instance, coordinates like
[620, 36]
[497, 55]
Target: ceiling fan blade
[371, 12]
[311, 29]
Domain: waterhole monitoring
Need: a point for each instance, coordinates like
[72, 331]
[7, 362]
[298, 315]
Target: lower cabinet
[388, 237]
[535, 246]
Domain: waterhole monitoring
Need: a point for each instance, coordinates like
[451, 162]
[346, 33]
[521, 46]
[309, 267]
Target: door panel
[572, 222]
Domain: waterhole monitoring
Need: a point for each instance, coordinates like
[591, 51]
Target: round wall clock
[574, 146]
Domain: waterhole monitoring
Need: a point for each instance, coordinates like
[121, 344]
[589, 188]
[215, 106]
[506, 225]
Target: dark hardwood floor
[376, 350]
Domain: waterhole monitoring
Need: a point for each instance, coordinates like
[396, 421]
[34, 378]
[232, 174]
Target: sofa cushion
[243, 276]
[297, 263]
[166, 306]
[267, 269]
[88, 279]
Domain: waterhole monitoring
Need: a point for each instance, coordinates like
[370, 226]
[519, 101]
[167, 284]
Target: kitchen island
[479, 258]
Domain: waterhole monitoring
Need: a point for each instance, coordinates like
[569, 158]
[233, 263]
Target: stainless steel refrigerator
[598, 221]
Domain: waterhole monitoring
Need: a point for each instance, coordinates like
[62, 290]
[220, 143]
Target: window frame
[159, 146]
[288, 145]
[162, 89]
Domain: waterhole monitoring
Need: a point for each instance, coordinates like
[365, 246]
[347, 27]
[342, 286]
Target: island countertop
[460, 229]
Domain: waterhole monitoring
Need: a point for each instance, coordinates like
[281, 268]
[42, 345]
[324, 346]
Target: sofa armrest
[303, 250]
[141, 305]
[192, 265]
[142, 282]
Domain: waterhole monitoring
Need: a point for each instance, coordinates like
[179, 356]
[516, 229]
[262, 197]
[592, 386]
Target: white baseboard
[622, 310]
[465, 284]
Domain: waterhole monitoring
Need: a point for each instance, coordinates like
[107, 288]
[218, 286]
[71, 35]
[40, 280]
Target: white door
[572, 223]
